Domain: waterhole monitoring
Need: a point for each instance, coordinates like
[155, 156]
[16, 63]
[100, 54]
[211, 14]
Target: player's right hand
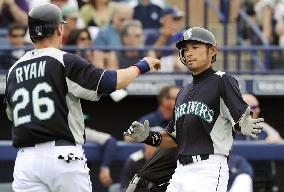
[250, 126]
[154, 64]
[138, 132]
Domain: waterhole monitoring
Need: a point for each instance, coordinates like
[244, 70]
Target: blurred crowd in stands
[113, 24]
[109, 25]
[106, 24]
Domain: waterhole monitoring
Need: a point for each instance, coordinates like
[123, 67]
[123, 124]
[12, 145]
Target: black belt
[62, 142]
[187, 159]
[58, 142]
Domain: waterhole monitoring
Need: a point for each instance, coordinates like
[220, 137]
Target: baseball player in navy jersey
[43, 92]
[207, 112]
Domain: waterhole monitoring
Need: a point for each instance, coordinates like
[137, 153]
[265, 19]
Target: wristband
[143, 66]
[154, 139]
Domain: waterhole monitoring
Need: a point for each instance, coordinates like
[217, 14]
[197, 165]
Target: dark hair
[74, 35]
[15, 26]
[165, 92]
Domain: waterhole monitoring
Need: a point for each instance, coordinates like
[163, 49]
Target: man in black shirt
[43, 92]
[157, 171]
[206, 113]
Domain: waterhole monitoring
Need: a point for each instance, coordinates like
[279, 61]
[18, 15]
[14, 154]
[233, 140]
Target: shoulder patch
[220, 73]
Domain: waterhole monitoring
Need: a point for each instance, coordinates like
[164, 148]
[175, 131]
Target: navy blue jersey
[205, 112]
[43, 94]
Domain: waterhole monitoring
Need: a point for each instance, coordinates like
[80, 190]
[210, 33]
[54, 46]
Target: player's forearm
[125, 77]
[128, 75]
[160, 139]
[167, 141]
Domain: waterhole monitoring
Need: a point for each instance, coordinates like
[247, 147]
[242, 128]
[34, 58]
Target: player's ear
[212, 51]
[59, 30]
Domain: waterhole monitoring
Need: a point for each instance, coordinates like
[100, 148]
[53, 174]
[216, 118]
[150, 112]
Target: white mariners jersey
[205, 113]
[43, 94]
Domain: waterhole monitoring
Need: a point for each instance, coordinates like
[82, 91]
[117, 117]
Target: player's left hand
[250, 126]
[137, 131]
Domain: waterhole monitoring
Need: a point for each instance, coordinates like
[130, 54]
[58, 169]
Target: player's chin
[190, 65]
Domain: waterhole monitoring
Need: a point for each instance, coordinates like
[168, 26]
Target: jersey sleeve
[232, 105]
[85, 80]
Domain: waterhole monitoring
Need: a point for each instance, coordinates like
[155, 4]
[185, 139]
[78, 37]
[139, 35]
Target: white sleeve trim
[81, 92]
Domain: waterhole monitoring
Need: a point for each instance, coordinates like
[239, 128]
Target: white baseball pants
[209, 175]
[39, 169]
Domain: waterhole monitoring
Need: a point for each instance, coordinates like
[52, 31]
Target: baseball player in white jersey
[43, 92]
[206, 113]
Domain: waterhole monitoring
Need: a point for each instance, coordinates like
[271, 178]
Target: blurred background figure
[13, 11]
[240, 174]
[73, 18]
[16, 39]
[133, 164]
[170, 32]
[98, 12]
[148, 13]
[109, 36]
[82, 39]
[131, 36]
[109, 146]
[269, 134]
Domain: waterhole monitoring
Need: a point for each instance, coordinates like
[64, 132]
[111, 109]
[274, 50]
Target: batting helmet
[43, 20]
[196, 34]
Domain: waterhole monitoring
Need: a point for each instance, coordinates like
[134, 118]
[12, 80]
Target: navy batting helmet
[43, 20]
[196, 34]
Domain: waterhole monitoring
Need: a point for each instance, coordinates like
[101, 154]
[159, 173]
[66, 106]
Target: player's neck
[45, 43]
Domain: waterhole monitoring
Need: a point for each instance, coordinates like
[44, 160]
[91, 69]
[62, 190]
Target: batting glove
[250, 126]
[138, 131]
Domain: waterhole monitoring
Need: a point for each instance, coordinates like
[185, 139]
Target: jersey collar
[208, 72]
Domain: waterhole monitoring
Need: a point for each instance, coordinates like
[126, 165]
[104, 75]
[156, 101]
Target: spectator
[16, 34]
[240, 174]
[109, 148]
[98, 12]
[133, 164]
[12, 11]
[59, 3]
[109, 36]
[269, 134]
[169, 33]
[72, 16]
[149, 14]
[269, 16]
[131, 36]
[82, 39]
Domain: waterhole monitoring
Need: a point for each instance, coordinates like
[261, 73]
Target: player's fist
[137, 131]
[154, 64]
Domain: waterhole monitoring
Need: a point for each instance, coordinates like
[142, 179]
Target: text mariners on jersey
[30, 71]
[195, 108]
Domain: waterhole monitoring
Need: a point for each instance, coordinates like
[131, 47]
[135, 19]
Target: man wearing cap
[43, 92]
[207, 112]
[169, 32]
